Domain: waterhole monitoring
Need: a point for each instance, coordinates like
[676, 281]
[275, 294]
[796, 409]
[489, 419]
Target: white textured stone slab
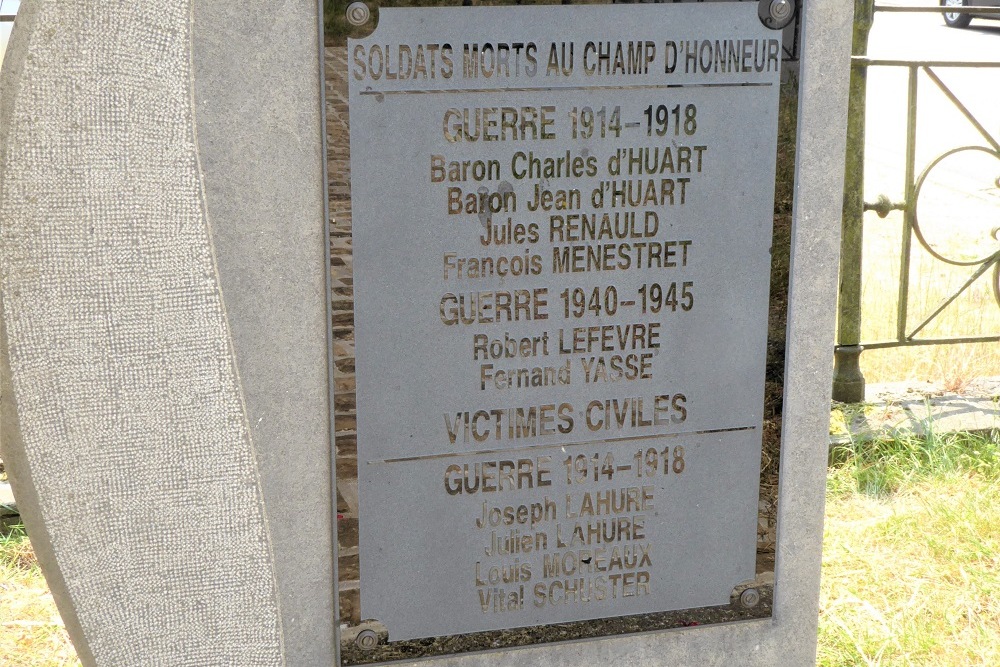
[142, 430]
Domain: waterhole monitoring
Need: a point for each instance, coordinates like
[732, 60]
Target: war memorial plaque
[529, 452]
[562, 227]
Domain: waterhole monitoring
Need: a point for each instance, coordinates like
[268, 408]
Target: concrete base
[918, 408]
[848, 382]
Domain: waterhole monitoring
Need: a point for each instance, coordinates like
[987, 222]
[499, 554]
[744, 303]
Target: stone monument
[165, 350]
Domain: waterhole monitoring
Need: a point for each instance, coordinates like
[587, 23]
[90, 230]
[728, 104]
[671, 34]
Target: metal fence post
[848, 381]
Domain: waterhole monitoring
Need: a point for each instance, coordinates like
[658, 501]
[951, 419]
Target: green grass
[886, 464]
[911, 553]
[15, 550]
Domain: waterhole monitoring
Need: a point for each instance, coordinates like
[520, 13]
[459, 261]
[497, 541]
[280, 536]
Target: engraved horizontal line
[526, 448]
[543, 89]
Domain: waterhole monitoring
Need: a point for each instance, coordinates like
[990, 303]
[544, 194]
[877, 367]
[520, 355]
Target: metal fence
[849, 382]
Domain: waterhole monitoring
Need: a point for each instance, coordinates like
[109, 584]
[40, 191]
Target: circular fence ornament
[959, 230]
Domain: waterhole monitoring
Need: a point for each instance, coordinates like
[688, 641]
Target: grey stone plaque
[562, 224]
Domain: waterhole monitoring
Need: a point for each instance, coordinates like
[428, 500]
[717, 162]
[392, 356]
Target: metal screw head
[776, 14]
[366, 640]
[750, 597]
[781, 10]
[358, 13]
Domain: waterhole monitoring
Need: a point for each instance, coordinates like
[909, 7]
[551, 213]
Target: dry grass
[913, 579]
[975, 313]
[911, 556]
[31, 631]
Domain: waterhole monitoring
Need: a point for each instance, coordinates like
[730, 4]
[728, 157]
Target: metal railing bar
[896, 9]
[961, 107]
[947, 302]
[882, 345]
[890, 62]
[909, 204]
[903, 296]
